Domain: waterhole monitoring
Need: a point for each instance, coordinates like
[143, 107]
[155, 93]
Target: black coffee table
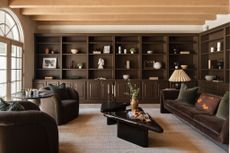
[133, 130]
[107, 107]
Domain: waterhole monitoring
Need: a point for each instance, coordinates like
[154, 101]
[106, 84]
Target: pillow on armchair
[11, 106]
[208, 103]
[60, 90]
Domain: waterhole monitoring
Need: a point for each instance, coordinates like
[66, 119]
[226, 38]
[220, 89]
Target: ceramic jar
[156, 65]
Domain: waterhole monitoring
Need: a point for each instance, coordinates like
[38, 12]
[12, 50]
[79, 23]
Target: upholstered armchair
[61, 109]
[29, 131]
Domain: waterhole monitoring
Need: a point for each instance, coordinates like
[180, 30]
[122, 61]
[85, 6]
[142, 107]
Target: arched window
[11, 54]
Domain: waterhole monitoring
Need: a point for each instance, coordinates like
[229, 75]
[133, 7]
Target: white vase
[156, 65]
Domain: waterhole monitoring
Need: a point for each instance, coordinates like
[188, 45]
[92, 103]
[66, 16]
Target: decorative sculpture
[101, 63]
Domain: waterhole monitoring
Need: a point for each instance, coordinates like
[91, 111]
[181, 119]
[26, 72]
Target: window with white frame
[11, 54]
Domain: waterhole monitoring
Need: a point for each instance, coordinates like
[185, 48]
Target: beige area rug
[90, 134]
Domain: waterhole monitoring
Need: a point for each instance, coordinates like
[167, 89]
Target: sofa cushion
[60, 90]
[208, 103]
[210, 122]
[223, 109]
[187, 95]
[183, 108]
[10, 106]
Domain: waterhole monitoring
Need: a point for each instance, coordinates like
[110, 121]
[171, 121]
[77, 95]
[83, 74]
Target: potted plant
[133, 50]
[133, 93]
[80, 65]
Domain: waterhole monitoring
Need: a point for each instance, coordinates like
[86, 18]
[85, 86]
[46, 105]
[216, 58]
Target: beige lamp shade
[179, 75]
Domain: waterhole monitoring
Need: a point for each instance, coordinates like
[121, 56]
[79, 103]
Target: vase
[134, 104]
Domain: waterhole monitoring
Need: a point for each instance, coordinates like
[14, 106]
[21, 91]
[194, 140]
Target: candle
[114, 91]
[218, 46]
[108, 89]
[127, 64]
[209, 64]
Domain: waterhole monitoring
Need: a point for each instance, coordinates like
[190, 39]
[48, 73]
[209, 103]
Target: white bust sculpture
[101, 63]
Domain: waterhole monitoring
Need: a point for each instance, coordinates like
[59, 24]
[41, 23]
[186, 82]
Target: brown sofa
[215, 128]
[29, 131]
[62, 110]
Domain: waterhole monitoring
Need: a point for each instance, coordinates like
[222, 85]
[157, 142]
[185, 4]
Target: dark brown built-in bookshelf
[215, 61]
[166, 49]
[141, 62]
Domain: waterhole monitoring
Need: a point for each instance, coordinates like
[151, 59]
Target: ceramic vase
[134, 104]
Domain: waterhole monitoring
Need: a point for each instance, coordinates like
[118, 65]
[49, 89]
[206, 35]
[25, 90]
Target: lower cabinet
[150, 90]
[96, 91]
[80, 87]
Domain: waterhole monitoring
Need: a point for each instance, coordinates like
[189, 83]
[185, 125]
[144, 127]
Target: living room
[114, 76]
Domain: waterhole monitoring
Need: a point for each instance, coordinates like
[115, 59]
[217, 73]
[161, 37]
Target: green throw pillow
[4, 106]
[187, 95]
[60, 90]
[223, 109]
[11, 106]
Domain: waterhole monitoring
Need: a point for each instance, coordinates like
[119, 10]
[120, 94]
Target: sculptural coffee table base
[134, 130]
[132, 133]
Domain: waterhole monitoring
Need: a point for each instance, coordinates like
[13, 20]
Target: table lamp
[178, 76]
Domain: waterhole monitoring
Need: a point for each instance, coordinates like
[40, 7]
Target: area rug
[90, 134]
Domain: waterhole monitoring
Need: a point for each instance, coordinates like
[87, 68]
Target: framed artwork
[49, 63]
[106, 50]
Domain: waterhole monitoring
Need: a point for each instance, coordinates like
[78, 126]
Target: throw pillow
[187, 95]
[223, 109]
[208, 103]
[60, 90]
[11, 106]
[3, 105]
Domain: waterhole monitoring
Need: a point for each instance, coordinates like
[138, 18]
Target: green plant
[132, 50]
[133, 90]
[79, 65]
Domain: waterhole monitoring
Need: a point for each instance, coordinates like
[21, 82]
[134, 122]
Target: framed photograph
[106, 50]
[49, 63]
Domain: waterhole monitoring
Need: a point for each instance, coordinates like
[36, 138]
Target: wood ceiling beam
[115, 3]
[124, 10]
[85, 17]
[142, 22]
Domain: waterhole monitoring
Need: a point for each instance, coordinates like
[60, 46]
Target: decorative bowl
[184, 66]
[74, 51]
[149, 52]
[209, 77]
[125, 76]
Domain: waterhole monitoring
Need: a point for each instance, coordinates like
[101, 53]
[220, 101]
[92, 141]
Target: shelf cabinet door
[150, 90]
[94, 90]
[79, 86]
[104, 88]
[121, 89]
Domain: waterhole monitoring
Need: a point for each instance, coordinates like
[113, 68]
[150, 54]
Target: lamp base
[177, 85]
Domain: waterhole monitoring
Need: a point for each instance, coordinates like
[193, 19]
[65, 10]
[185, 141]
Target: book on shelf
[184, 52]
[153, 78]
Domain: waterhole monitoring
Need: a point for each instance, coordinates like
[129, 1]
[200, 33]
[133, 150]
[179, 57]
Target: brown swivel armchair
[29, 131]
[62, 110]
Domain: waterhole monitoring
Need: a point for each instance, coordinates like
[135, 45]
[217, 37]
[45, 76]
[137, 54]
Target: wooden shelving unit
[85, 80]
[219, 59]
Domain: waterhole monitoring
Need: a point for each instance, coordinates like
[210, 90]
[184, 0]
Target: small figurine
[101, 63]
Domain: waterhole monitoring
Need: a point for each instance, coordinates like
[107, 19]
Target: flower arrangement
[133, 90]
[133, 93]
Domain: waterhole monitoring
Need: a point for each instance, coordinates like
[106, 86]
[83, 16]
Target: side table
[33, 98]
